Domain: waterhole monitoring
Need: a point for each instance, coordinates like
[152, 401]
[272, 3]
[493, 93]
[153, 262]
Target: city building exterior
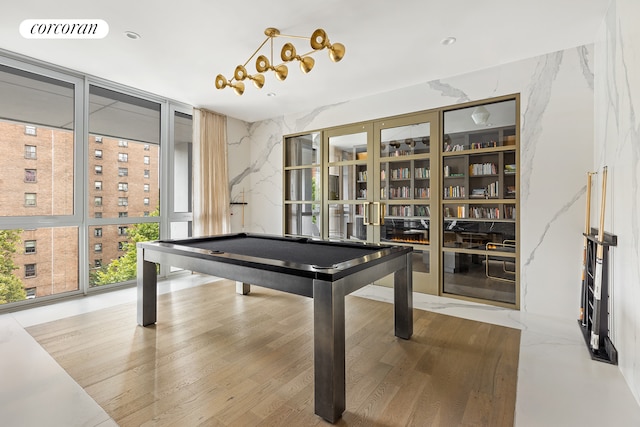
[37, 179]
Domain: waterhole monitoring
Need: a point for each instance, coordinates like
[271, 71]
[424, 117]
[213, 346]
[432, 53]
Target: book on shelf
[510, 168]
[422, 173]
[487, 144]
[478, 193]
[509, 212]
[403, 192]
[454, 192]
[422, 210]
[477, 169]
[484, 213]
[401, 173]
[423, 193]
[492, 189]
[454, 147]
[459, 212]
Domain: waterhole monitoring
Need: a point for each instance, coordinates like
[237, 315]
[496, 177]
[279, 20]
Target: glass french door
[379, 188]
[405, 189]
[350, 213]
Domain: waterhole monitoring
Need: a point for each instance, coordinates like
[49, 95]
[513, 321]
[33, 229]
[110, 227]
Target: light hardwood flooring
[219, 358]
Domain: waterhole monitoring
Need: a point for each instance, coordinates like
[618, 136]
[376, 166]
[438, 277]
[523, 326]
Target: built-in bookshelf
[479, 203]
[433, 180]
[479, 178]
[405, 180]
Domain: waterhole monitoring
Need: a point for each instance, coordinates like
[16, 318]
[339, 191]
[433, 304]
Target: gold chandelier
[318, 41]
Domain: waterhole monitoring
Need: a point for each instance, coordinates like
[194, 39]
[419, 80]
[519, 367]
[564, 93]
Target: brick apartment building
[37, 178]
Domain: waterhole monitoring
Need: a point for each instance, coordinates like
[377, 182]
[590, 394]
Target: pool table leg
[403, 299]
[147, 282]
[243, 288]
[329, 349]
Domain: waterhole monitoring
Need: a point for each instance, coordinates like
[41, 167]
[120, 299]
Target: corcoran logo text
[64, 28]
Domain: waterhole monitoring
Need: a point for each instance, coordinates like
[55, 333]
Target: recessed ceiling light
[132, 35]
[271, 94]
[448, 41]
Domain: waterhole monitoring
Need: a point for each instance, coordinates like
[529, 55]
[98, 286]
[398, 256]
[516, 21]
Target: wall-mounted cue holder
[242, 203]
[596, 316]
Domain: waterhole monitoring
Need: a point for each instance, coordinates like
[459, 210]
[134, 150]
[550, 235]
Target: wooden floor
[219, 358]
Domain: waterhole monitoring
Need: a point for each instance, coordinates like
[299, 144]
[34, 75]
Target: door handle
[365, 208]
[379, 214]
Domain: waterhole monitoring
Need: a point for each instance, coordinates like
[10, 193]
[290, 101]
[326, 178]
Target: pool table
[326, 271]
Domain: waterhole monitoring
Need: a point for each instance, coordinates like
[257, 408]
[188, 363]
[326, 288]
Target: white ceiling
[389, 44]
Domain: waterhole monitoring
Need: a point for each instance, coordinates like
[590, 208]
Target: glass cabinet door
[479, 200]
[404, 158]
[302, 185]
[350, 214]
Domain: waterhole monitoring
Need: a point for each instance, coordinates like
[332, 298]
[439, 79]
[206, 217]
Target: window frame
[28, 267]
[30, 154]
[27, 199]
[26, 175]
[27, 247]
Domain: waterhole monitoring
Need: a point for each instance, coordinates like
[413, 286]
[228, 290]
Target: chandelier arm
[256, 51]
[292, 37]
[271, 53]
[309, 53]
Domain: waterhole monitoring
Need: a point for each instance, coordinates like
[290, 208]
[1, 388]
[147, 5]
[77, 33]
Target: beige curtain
[211, 180]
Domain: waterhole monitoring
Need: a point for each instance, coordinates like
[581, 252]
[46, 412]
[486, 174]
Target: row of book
[454, 192]
[458, 212]
[408, 210]
[402, 173]
[479, 212]
[403, 192]
[422, 173]
[423, 193]
[487, 144]
[400, 211]
[484, 212]
[472, 146]
[510, 212]
[483, 169]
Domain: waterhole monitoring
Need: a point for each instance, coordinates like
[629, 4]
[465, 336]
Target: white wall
[556, 152]
[617, 130]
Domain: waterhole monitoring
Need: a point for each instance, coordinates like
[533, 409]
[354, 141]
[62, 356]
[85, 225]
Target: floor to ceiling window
[181, 211]
[39, 221]
[81, 179]
[123, 181]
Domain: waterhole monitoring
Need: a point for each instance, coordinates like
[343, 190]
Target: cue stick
[587, 230]
[597, 293]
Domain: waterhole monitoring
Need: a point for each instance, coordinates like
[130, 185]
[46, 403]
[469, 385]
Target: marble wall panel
[556, 152]
[617, 130]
